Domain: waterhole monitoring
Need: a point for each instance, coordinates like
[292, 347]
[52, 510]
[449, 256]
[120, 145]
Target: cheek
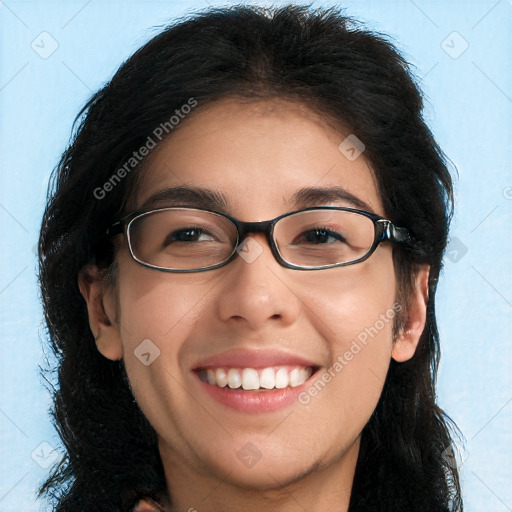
[353, 300]
[354, 312]
[159, 306]
[157, 313]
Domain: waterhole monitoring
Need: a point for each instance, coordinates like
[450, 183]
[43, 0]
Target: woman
[239, 261]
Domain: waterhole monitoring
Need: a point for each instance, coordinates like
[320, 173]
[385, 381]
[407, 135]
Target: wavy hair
[352, 76]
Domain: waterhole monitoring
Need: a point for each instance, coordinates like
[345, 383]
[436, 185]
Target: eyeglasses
[192, 239]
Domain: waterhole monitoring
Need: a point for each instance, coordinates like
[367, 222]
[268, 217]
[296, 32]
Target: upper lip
[253, 359]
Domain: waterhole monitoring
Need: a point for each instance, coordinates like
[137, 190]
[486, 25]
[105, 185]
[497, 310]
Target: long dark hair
[353, 77]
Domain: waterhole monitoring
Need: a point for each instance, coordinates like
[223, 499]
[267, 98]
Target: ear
[407, 339]
[101, 307]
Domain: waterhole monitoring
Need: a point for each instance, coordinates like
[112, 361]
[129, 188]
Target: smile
[254, 381]
[250, 379]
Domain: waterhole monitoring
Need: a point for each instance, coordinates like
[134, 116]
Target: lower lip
[254, 401]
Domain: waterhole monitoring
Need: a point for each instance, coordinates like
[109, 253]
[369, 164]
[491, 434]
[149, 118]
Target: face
[254, 313]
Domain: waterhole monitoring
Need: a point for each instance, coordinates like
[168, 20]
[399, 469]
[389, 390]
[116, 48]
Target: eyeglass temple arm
[114, 229]
[396, 234]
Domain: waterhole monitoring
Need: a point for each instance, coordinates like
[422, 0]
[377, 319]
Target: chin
[252, 470]
[267, 477]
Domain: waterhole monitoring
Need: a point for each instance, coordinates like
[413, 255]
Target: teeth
[210, 377]
[294, 377]
[222, 378]
[234, 379]
[282, 379]
[250, 379]
[267, 378]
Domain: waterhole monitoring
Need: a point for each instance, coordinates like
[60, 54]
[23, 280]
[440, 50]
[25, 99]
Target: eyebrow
[318, 196]
[193, 196]
[215, 200]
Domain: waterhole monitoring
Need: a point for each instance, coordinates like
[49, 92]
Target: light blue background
[469, 107]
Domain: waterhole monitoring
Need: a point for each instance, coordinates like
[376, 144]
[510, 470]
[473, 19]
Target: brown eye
[321, 236]
[190, 234]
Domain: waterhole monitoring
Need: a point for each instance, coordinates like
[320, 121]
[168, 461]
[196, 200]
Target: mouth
[252, 379]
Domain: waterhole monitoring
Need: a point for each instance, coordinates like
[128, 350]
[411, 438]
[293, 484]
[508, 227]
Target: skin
[258, 154]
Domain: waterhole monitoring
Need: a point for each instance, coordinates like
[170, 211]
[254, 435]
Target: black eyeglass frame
[385, 230]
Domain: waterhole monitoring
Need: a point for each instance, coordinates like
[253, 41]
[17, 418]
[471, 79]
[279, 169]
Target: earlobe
[101, 308]
[407, 339]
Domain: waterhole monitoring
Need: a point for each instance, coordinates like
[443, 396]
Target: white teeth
[250, 379]
[278, 377]
[282, 379]
[294, 378]
[222, 378]
[234, 379]
[267, 379]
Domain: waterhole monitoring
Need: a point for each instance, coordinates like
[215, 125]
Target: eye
[321, 236]
[189, 234]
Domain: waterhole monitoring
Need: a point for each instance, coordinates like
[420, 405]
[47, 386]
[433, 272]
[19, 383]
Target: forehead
[260, 159]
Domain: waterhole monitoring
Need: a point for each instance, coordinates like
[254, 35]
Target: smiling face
[254, 313]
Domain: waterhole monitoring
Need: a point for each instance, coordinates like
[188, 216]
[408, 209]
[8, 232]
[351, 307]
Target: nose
[257, 291]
